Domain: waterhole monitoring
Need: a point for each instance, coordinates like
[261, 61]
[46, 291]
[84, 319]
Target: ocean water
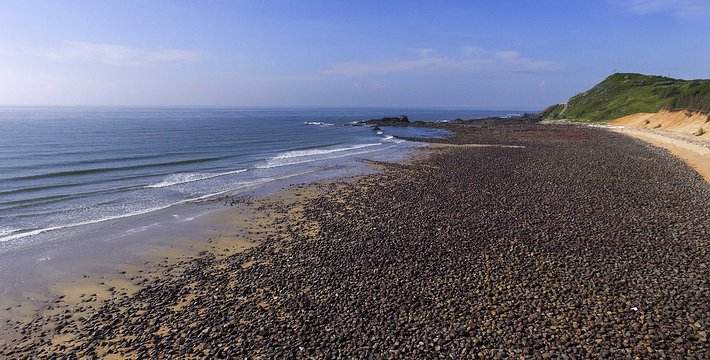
[64, 168]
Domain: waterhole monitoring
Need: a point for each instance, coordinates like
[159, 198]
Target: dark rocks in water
[533, 116]
[402, 120]
[497, 120]
[355, 123]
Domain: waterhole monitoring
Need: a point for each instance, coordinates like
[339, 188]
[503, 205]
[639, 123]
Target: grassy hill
[626, 93]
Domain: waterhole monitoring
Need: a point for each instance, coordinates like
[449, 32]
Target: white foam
[391, 138]
[141, 228]
[301, 153]
[183, 178]
[240, 186]
[318, 123]
[285, 161]
[6, 230]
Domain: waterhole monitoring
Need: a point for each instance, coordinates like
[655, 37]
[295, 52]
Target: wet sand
[65, 288]
[551, 240]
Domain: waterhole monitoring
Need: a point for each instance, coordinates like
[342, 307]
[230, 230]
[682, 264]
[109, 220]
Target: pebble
[489, 252]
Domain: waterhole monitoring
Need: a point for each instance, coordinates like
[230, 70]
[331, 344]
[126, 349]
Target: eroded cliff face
[683, 122]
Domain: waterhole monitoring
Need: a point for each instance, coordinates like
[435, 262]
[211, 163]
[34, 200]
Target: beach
[508, 240]
[354, 180]
[681, 132]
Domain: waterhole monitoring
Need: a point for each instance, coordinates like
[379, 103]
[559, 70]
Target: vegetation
[625, 93]
[553, 112]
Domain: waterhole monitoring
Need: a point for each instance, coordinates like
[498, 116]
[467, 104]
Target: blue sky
[522, 54]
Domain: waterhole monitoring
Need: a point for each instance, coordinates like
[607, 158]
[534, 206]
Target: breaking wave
[318, 123]
[183, 178]
[306, 156]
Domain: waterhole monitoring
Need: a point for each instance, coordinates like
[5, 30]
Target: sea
[62, 168]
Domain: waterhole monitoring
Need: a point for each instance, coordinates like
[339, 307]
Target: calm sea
[68, 167]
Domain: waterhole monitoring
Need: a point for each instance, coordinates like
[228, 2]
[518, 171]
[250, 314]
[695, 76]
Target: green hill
[626, 93]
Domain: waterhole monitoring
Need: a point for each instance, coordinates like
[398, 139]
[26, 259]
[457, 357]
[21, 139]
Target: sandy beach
[515, 240]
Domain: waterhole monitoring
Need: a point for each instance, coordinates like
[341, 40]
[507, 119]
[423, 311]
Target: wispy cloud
[114, 55]
[469, 60]
[423, 52]
[676, 7]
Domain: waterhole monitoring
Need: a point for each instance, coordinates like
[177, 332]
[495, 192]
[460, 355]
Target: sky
[523, 54]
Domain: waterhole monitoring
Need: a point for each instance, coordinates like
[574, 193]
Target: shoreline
[693, 150]
[432, 256]
[696, 154]
[97, 266]
[683, 133]
[222, 232]
[46, 253]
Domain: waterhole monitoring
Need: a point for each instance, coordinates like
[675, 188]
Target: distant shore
[510, 239]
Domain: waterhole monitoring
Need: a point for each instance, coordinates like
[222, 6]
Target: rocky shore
[564, 242]
[403, 120]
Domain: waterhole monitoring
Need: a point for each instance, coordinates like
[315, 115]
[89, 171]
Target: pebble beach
[515, 240]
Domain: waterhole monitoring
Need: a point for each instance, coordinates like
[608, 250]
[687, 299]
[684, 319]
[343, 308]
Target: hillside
[623, 94]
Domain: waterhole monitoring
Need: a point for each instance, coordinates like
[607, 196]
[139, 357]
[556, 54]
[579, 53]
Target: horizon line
[443, 107]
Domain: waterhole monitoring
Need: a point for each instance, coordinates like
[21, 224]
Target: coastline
[680, 132]
[692, 149]
[225, 230]
[432, 256]
[47, 191]
[107, 260]
[696, 154]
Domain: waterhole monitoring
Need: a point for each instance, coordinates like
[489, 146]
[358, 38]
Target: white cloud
[471, 60]
[423, 52]
[112, 54]
[676, 7]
